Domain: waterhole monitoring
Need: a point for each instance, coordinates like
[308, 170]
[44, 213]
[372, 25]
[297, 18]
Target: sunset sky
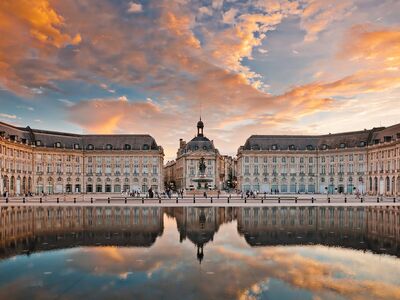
[250, 67]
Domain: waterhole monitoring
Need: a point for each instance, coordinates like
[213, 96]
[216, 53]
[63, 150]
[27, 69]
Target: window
[146, 147]
[90, 147]
[57, 145]
[292, 147]
[109, 147]
[38, 143]
[127, 147]
[274, 147]
[310, 147]
[76, 146]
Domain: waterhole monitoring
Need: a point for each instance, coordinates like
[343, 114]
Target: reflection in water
[281, 252]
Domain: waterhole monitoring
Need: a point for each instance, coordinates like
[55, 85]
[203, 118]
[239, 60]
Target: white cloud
[7, 116]
[123, 98]
[135, 7]
[66, 102]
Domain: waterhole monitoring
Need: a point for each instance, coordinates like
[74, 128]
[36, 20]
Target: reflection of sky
[230, 269]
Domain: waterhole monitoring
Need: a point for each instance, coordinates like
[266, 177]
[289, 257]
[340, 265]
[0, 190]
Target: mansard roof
[45, 138]
[328, 141]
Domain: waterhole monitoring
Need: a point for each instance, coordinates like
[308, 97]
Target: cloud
[8, 116]
[319, 14]
[135, 7]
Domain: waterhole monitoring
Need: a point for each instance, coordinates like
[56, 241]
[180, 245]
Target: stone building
[365, 161]
[40, 161]
[183, 171]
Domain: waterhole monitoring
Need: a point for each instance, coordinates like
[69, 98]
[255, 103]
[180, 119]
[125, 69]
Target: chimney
[182, 144]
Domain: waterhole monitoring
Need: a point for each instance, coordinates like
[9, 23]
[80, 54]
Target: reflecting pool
[200, 253]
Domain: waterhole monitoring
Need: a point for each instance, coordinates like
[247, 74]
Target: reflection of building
[182, 172]
[53, 162]
[44, 228]
[200, 224]
[371, 228]
[364, 161]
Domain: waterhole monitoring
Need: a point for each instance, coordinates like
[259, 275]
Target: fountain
[202, 181]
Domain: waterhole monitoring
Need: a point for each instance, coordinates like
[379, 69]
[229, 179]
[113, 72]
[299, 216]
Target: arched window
[310, 147]
[127, 147]
[90, 147]
[292, 147]
[76, 146]
[146, 147]
[342, 145]
[274, 147]
[324, 146]
[57, 145]
[109, 147]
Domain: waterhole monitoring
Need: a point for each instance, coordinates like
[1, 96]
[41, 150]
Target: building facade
[365, 161]
[40, 161]
[182, 172]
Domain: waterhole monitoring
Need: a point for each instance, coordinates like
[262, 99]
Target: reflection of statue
[202, 166]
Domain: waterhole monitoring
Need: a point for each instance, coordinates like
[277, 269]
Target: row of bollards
[362, 200]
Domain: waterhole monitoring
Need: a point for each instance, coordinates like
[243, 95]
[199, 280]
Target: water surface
[200, 253]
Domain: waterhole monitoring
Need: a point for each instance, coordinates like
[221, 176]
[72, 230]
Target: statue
[202, 166]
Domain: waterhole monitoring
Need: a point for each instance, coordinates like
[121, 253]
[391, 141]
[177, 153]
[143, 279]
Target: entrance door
[340, 189]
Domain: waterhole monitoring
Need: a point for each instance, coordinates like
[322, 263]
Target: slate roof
[328, 141]
[70, 140]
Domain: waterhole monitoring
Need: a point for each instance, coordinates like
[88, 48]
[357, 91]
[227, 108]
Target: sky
[248, 67]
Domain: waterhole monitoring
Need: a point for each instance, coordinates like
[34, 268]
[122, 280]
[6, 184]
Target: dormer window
[38, 143]
[324, 147]
[342, 145]
[310, 147]
[146, 147]
[255, 147]
[57, 145]
[205, 148]
[387, 139]
[76, 146]
[90, 147]
[127, 147]
[292, 147]
[109, 147]
[376, 141]
[362, 144]
[196, 147]
[274, 147]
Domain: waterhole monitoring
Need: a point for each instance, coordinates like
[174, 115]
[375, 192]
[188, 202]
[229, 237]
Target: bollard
[211, 200]
[279, 199]
[228, 199]
[40, 199]
[75, 200]
[91, 200]
[58, 200]
[377, 200]
[262, 200]
[23, 200]
[329, 200]
[345, 199]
